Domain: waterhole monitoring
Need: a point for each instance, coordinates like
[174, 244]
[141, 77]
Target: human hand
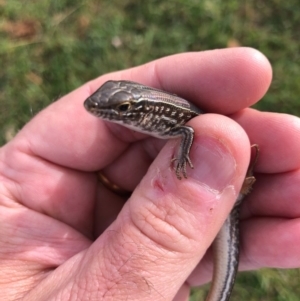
[63, 235]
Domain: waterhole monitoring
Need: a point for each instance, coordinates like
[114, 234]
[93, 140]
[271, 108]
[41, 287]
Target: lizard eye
[123, 107]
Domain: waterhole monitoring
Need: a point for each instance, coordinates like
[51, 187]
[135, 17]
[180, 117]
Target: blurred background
[50, 47]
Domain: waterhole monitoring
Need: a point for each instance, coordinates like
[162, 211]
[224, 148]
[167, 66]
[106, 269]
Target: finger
[64, 194]
[265, 243]
[167, 225]
[277, 136]
[275, 195]
[222, 81]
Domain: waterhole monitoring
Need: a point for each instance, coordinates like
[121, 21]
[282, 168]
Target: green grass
[48, 48]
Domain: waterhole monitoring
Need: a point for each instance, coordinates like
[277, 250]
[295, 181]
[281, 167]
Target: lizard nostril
[90, 104]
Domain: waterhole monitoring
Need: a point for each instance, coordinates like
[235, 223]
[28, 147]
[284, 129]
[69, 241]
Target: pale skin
[66, 237]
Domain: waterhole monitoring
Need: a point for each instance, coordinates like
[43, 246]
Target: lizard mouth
[93, 107]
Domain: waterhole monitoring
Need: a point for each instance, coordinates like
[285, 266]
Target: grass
[48, 48]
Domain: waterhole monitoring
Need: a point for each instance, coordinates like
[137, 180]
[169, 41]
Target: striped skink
[164, 115]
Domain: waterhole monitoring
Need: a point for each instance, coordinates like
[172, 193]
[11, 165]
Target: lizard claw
[180, 167]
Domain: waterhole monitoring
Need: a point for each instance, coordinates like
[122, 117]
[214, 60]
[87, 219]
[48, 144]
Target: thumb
[167, 225]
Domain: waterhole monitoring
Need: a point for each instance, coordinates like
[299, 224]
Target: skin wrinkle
[14, 194]
[127, 267]
[169, 211]
[138, 279]
[82, 284]
[17, 177]
[156, 212]
[148, 221]
[8, 200]
[73, 283]
[89, 282]
[6, 178]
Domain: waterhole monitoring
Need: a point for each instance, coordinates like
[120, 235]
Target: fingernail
[214, 165]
